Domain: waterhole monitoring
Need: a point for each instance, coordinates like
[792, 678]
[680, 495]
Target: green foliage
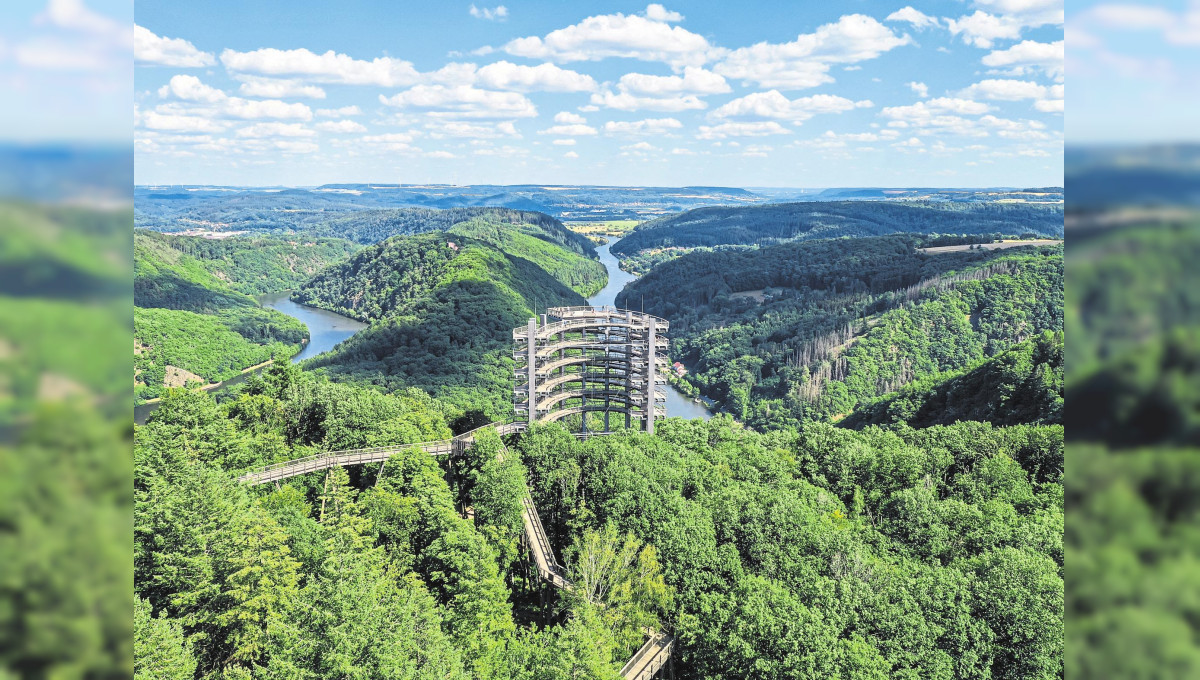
[57, 252]
[198, 343]
[827, 552]
[443, 317]
[188, 317]
[774, 223]
[250, 265]
[159, 647]
[1023, 384]
[64, 578]
[844, 321]
[584, 275]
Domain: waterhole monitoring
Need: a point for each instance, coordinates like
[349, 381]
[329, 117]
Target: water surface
[677, 404]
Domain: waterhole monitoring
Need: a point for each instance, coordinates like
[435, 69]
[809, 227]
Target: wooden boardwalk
[649, 660]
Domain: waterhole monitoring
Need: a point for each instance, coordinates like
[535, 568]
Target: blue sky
[1134, 70]
[65, 74]
[758, 94]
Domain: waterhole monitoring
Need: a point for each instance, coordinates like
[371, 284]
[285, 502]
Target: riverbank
[678, 404]
[325, 330]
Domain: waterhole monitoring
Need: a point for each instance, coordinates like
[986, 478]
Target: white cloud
[758, 129]
[659, 13]
[275, 88]
[505, 151]
[568, 117]
[330, 67]
[190, 88]
[341, 126]
[149, 48]
[921, 89]
[624, 101]
[1029, 55]
[680, 151]
[237, 107]
[648, 38]
[504, 75]
[474, 130]
[569, 130]
[695, 80]
[806, 61]
[392, 141]
[773, 105]
[983, 30]
[915, 17]
[498, 13]
[910, 142]
[639, 148]
[439, 154]
[275, 130]
[1050, 105]
[339, 112]
[1006, 90]
[462, 101]
[940, 115]
[564, 142]
[570, 154]
[648, 126]
[172, 122]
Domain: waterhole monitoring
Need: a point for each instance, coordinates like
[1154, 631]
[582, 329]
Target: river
[327, 329]
[677, 404]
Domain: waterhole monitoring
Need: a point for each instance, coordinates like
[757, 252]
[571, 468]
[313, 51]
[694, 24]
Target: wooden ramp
[649, 660]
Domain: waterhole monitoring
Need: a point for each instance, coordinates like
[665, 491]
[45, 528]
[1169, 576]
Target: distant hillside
[177, 208]
[565, 255]
[442, 315]
[812, 329]
[1020, 386]
[768, 224]
[372, 226]
[256, 265]
[190, 324]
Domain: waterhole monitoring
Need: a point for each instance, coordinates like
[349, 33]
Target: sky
[859, 93]
[65, 71]
[1134, 69]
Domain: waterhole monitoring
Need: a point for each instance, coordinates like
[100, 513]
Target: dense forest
[843, 321]
[1133, 307]
[192, 322]
[817, 552]
[364, 573]
[915, 541]
[1023, 384]
[443, 308]
[256, 265]
[775, 223]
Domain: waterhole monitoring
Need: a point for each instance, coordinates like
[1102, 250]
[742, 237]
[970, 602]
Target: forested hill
[1021, 385]
[768, 224]
[844, 321]
[388, 277]
[254, 265]
[443, 308]
[192, 320]
[371, 226]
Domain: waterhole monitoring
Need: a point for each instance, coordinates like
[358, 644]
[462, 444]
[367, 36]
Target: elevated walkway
[650, 659]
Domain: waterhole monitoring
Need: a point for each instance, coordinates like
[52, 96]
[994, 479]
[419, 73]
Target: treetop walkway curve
[581, 360]
[653, 656]
[588, 360]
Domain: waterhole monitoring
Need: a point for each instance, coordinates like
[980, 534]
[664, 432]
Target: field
[991, 246]
[602, 227]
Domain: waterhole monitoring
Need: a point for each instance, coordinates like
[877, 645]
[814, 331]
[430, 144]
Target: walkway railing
[648, 660]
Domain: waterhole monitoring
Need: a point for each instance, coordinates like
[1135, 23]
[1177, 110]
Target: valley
[832, 497]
